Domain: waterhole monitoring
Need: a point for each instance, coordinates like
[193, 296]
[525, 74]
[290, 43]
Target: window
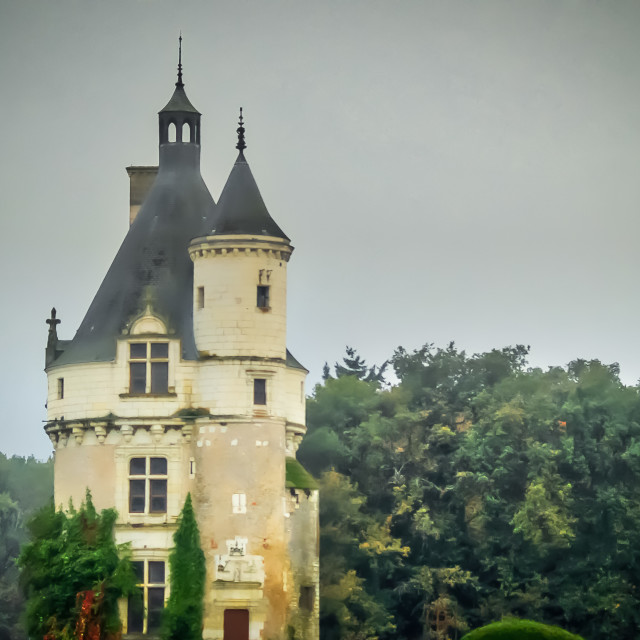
[145, 607]
[149, 367]
[186, 132]
[307, 598]
[60, 388]
[200, 297]
[259, 391]
[148, 485]
[263, 297]
[239, 503]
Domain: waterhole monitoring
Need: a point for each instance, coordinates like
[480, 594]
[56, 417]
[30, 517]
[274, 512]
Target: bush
[520, 630]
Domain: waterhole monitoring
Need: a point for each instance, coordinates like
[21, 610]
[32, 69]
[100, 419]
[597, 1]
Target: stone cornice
[223, 246]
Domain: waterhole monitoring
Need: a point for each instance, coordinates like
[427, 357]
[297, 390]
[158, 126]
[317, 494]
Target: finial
[241, 146]
[53, 321]
[179, 83]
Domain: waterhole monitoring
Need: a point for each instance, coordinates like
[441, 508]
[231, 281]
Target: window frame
[151, 371]
[263, 297]
[147, 586]
[151, 483]
[260, 392]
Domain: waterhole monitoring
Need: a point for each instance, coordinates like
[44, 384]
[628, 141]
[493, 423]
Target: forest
[475, 488]
[455, 490]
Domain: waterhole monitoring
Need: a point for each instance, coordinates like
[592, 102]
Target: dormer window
[149, 367]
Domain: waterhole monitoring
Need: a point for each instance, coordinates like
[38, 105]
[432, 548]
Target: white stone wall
[224, 387]
[230, 270]
[235, 447]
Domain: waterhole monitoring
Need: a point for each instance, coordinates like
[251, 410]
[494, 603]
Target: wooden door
[236, 624]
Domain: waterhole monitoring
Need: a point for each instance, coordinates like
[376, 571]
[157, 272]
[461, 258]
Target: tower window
[263, 297]
[200, 297]
[172, 132]
[259, 391]
[60, 388]
[145, 606]
[186, 132]
[148, 485]
[307, 598]
[149, 367]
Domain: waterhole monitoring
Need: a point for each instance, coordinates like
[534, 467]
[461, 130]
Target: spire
[180, 83]
[241, 146]
[241, 209]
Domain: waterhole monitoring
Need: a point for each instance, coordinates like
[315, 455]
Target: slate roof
[152, 265]
[179, 102]
[241, 209]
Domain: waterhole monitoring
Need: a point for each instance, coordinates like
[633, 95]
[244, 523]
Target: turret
[179, 128]
[240, 273]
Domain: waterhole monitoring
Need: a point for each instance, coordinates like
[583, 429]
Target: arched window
[186, 132]
[172, 132]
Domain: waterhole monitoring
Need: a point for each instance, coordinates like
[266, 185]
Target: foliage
[479, 488]
[26, 484]
[520, 629]
[354, 365]
[182, 618]
[70, 556]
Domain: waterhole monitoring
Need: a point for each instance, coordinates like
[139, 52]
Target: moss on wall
[298, 477]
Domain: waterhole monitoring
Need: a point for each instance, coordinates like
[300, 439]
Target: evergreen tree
[183, 613]
[354, 365]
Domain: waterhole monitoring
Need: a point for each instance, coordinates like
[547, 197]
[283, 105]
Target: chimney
[140, 181]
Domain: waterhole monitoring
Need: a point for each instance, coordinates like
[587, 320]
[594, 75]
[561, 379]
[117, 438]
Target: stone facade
[144, 427]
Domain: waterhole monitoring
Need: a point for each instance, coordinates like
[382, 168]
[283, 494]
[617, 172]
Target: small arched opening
[172, 132]
[186, 132]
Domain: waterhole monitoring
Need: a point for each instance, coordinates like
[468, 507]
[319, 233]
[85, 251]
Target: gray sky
[446, 170]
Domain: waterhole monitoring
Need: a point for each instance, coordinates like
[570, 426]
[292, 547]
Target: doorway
[236, 624]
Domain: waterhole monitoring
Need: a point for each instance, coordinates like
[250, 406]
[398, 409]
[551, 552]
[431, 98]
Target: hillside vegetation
[26, 484]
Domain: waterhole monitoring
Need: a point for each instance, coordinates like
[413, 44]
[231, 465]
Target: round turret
[240, 273]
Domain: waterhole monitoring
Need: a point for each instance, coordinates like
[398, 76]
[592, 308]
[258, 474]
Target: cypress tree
[183, 613]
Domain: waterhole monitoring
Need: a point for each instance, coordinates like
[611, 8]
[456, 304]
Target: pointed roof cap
[179, 100]
[241, 209]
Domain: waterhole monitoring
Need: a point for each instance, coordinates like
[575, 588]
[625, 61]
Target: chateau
[179, 381]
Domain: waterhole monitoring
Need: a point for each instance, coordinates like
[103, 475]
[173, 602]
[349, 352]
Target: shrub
[514, 629]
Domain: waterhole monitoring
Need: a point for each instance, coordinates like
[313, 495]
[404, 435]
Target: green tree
[354, 365]
[510, 491]
[70, 554]
[10, 596]
[183, 614]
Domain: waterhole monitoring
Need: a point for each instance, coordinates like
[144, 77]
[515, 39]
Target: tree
[10, 596]
[511, 491]
[26, 484]
[70, 556]
[354, 365]
[183, 614]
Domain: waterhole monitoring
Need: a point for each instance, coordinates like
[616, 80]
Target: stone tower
[179, 380]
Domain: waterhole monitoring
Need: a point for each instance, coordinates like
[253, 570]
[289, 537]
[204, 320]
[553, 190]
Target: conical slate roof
[179, 101]
[241, 209]
[152, 267]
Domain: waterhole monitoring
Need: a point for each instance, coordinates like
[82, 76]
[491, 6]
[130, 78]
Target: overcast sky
[446, 170]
